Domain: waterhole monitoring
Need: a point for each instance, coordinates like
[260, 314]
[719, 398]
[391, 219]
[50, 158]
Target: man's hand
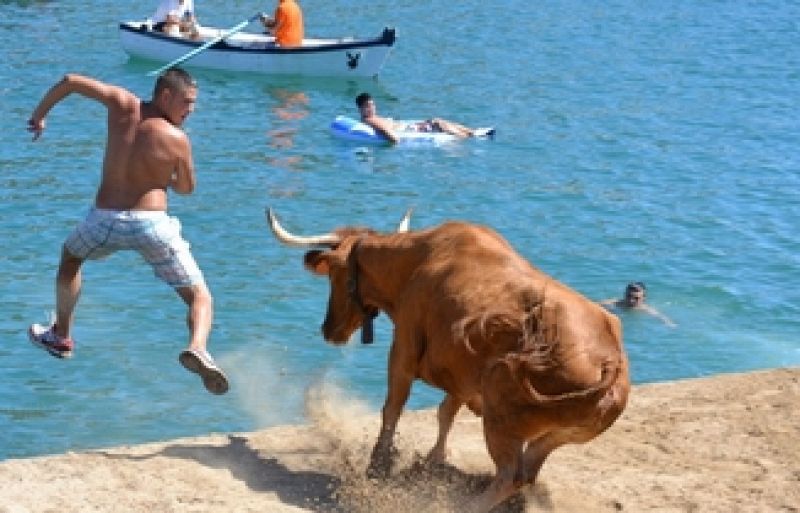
[36, 126]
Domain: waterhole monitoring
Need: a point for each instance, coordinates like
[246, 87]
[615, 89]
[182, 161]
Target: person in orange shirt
[287, 25]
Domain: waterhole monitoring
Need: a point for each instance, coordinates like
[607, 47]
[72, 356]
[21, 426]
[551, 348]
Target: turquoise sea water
[636, 141]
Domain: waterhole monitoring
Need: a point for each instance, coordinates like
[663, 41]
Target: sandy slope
[721, 444]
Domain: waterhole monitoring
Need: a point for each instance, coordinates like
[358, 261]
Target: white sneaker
[46, 338]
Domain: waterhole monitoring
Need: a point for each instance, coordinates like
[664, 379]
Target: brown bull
[544, 365]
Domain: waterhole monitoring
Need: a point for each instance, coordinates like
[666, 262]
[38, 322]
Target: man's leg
[452, 128]
[178, 268]
[68, 289]
[200, 314]
[55, 337]
[196, 358]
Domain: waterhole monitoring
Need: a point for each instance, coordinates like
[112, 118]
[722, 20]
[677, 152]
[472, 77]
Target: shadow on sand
[420, 488]
[305, 489]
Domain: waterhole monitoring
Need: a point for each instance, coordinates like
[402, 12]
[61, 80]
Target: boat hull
[257, 53]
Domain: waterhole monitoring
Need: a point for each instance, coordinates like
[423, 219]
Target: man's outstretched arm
[109, 95]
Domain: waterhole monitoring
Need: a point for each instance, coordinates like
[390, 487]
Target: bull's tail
[609, 374]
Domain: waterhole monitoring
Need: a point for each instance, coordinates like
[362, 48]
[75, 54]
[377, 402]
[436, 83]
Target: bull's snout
[335, 336]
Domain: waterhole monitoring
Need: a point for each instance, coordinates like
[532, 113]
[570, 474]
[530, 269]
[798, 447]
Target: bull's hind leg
[506, 452]
[448, 409]
[515, 467]
[535, 454]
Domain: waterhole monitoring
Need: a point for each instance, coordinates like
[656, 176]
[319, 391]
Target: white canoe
[257, 53]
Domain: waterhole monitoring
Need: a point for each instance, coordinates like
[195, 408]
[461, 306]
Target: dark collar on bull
[367, 332]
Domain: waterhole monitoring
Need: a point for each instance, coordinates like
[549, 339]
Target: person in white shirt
[176, 17]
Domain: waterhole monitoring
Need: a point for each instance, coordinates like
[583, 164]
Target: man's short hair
[636, 286]
[176, 79]
[362, 99]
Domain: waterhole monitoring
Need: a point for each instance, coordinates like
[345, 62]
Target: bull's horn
[328, 239]
[403, 227]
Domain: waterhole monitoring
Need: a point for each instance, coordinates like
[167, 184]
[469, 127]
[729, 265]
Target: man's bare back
[137, 175]
[146, 151]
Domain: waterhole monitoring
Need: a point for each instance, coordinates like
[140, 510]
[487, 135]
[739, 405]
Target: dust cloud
[347, 427]
[414, 486]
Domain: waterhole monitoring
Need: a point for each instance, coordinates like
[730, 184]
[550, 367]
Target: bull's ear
[316, 261]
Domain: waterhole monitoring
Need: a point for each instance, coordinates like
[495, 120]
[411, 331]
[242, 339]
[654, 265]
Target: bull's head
[338, 260]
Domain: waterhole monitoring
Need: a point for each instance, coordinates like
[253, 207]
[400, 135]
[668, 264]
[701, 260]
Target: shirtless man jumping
[147, 152]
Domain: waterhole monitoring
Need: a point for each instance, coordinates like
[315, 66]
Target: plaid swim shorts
[154, 234]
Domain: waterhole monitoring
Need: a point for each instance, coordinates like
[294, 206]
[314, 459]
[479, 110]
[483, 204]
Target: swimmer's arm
[183, 178]
[111, 96]
[383, 127]
[655, 313]
[666, 320]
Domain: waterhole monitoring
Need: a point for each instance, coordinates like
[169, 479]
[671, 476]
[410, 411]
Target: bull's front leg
[401, 375]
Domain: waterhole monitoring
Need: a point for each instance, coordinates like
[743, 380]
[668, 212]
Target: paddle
[205, 46]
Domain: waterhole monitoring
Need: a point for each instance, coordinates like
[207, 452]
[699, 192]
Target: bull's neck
[353, 279]
[379, 268]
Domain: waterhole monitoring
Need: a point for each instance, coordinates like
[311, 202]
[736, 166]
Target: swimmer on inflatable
[389, 128]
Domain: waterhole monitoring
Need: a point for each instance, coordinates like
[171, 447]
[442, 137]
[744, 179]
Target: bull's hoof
[435, 458]
[378, 469]
[380, 463]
